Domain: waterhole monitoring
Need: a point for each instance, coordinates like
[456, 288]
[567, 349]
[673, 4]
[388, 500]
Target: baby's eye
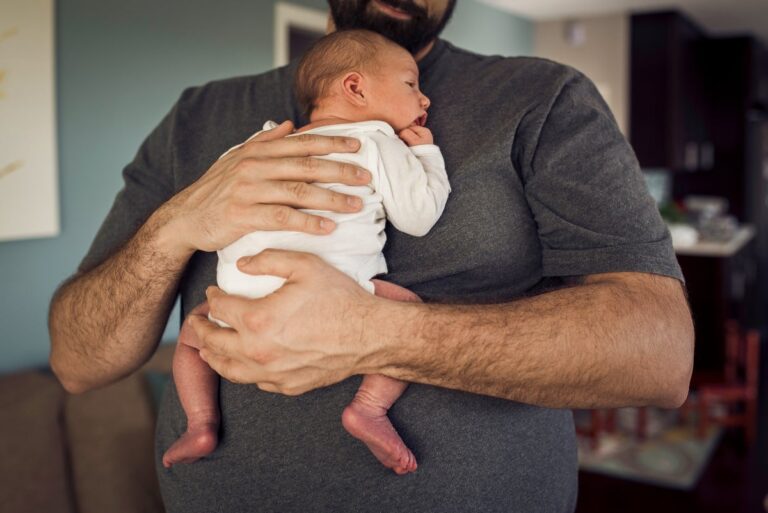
[411, 84]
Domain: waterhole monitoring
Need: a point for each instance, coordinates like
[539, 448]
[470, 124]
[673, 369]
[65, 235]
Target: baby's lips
[422, 120]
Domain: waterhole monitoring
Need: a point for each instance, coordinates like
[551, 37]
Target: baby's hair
[330, 57]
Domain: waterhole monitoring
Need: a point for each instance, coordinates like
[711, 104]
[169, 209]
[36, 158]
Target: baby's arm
[412, 181]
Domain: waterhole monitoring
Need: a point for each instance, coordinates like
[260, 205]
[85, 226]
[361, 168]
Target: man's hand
[416, 135]
[612, 340]
[106, 321]
[259, 185]
[305, 335]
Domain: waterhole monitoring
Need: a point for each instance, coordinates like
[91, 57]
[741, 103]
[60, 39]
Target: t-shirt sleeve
[587, 193]
[147, 184]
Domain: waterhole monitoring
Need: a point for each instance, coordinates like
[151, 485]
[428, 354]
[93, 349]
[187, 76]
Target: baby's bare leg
[366, 416]
[198, 388]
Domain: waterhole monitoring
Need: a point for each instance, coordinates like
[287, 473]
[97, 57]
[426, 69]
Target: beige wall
[603, 56]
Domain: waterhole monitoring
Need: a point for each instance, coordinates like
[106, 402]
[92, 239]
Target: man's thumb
[278, 132]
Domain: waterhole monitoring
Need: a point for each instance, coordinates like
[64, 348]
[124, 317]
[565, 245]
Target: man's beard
[413, 34]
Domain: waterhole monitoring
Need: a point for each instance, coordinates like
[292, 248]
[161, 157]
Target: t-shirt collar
[434, 54]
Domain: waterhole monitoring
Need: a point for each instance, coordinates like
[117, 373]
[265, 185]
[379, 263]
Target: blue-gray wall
[120, 67]
[486, 30]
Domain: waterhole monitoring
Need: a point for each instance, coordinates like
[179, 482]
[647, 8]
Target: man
[561, 286]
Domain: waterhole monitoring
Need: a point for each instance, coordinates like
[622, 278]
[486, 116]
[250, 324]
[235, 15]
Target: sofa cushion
[33, 466]
[111, 432]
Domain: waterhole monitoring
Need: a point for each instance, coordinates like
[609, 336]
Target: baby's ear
[353, 88]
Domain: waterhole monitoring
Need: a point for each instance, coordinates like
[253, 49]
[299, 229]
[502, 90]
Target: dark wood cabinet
[699, 109]
[694, 99]
[720, 287]
[669, 122]
[758, 74]
[735, 75]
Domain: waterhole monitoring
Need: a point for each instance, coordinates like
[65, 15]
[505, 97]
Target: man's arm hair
[106, 321]
[605, 340]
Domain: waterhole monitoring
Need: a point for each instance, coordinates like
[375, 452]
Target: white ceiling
[717, 16]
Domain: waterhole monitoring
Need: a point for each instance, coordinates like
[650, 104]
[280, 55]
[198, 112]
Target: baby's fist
[416, 135]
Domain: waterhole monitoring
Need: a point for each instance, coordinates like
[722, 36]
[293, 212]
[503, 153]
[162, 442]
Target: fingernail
[352, 143]
[243, 261]
[353, 202]
[326, 225]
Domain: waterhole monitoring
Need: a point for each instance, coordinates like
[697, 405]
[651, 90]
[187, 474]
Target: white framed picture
[296, 28]
[29, 196]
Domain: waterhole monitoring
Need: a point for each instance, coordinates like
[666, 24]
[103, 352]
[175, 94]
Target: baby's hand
[416, 135]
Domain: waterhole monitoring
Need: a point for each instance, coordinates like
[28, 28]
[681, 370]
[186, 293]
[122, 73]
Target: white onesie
[410, 185]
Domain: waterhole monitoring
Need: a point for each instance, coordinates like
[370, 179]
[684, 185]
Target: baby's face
[394, 94]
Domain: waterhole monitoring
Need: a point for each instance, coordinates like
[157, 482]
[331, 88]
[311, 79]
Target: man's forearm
[613, 340]
[106, 322]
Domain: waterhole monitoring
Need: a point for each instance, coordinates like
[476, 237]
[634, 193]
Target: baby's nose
[425, 102]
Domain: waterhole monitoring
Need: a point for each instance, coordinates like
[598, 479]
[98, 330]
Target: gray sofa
[79, 454]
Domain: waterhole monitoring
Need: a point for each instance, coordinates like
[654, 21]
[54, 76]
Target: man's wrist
[168, 237]
[390, 334]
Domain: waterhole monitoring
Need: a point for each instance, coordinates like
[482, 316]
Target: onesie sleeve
[413, 184]
[587, 194]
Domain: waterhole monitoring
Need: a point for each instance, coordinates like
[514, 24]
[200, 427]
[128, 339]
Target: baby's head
[360, 75]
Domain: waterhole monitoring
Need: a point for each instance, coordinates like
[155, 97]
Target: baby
[352, 83]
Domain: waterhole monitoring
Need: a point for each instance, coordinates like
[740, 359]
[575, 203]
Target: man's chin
[412, 34]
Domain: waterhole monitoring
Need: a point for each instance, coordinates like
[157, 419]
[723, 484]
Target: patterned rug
[671, 456]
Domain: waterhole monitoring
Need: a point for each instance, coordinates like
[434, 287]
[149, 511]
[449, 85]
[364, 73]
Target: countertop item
[706, 248]
[683, 235]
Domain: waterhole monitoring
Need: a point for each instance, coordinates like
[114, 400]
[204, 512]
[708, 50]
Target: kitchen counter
[720, 280]
[729, 248]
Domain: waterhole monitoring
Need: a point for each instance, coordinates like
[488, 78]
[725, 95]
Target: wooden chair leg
[703, 419]
[685, 410]
[642, 424]
[750, 430]
[597, 428]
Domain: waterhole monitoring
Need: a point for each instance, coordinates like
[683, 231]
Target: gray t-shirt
[544, 186]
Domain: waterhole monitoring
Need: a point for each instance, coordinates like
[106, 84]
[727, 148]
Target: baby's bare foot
[200, 440]
[369, 423]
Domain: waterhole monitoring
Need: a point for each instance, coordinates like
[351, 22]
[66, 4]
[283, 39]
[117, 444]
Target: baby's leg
[197, 385]
[366, 416]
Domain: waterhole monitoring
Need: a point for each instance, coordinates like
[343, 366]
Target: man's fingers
[214, 339]
[279, 262]
[201, 309]
[280, 131]
[228, 368]
[303, 195]
[268, 387]
[227, 308]
[279, 217]
[302, 145]
[311, 169]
